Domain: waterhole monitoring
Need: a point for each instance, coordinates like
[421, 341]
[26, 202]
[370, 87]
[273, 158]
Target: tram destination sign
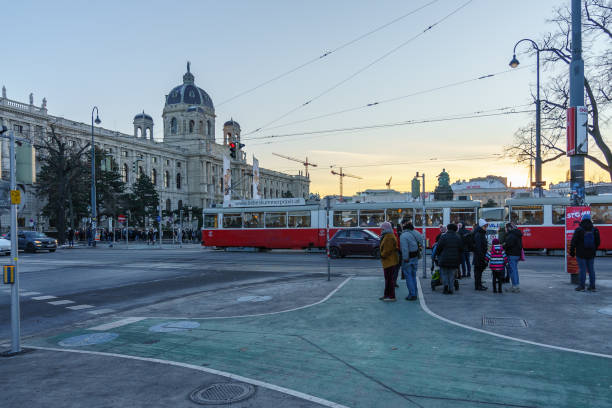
[268, 202]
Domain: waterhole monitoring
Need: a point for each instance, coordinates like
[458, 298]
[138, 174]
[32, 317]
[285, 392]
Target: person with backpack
[584, 246]
[389, 259]
[410, 244]
[497, 260]
[480, 248]
[450, 252]
[513, 245]
[466, 238]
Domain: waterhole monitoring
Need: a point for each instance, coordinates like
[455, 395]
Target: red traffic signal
[232, 147]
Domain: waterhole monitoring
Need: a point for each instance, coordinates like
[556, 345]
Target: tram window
[299, 219]
[558, 214]
[601, 213]
[345, 218]
[418, 217]
[253, 220]
[232, 221]
[466, 216]
[276, 220]
[371, 218]
[399, 215]
[527, 215]
[433, 216]
[210, 221]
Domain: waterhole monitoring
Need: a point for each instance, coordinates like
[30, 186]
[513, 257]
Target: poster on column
[227, 182]
[256, 191]
[573, 216]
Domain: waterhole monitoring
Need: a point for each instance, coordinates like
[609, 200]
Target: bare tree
[597, 54]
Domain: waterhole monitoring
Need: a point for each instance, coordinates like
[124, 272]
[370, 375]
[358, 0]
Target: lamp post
[538, 160]
[97, 121]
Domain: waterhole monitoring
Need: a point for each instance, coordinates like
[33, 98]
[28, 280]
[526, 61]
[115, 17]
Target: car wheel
[376, 253]
[334, 252]
[52, 250]
[30, 248]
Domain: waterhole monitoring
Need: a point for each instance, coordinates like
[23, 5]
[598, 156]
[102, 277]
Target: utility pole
[159, 223]
[576, 73]
[327, 206]
[180, 234]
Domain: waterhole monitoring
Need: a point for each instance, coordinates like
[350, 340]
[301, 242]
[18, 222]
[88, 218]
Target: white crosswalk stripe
[61, 302]
[44, 297]
[100, 311]
[80, 307]
[29, 293]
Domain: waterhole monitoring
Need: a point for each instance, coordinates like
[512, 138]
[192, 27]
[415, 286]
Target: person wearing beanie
[513, 246]
[584, 246]
[480, 253]
[390, 259]
[497, 260]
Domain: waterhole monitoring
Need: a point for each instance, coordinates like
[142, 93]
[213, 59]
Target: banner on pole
[256, 191]
[227, 182]
[577, 135]
[573, 216]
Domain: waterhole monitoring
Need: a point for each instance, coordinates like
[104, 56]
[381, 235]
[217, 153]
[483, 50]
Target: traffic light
[134, 166]
[240, 146]
[232, 146]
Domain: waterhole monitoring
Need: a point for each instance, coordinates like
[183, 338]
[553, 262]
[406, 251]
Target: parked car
[32, 241]
[354, 242]
[5, 246]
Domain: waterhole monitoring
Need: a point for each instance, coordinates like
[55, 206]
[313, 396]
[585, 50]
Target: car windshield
[370, 233]
[34, 234]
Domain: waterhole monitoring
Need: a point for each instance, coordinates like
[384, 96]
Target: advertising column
[573, 216]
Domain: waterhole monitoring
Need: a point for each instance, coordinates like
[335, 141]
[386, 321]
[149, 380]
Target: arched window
[154, 177]
[168, 205]
[138, 131]
[166, 179]
[173, 126]
[178, 181]
[148, 135]
[208, 128]
[201, 128]
[125, 173]
[191, 125]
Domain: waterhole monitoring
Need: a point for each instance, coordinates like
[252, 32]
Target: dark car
[32, 241]
[354, 242]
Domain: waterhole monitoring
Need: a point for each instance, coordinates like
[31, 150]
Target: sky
[124, 57]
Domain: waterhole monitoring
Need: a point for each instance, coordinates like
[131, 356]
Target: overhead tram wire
[397, 98]
[327, 53]
[359, 71]
[324, 132]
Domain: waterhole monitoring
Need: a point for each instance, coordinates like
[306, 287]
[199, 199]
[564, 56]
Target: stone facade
[186, 166]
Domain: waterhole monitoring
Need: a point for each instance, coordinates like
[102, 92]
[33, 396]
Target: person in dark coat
[584, 246]
[464, 233]
[513, 246]
[450, 253]
[481, 247]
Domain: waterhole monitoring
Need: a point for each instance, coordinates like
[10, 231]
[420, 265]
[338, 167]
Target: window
[191, 125]
[345, 218]
[154, 159]
[167, 162]
[210, 221]
[168, 205]
[178, 181]
[341, 234]
[18, 128]
[371, 218]
[601, 213]
[232, 220]
[180, 204]
[166, 179]
[558, 215]
[433, 216]
[299, 219]
[178, 164]
[138, 132]
[125, 173]
[148, 134]
[466, 216]
[173, 126]
[154, 177]
[201, 128]
[399, 215]
[124, 153]
[253, 220]
[527, 215]
[208, 128]
[276, 220]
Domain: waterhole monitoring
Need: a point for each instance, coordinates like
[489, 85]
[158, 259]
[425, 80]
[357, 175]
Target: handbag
[522, 255]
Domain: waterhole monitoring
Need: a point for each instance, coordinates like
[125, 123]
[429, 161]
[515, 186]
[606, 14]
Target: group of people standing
[451, 252]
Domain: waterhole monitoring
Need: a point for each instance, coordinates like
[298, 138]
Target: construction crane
[388, 183]
[342, 175]
[306, 163]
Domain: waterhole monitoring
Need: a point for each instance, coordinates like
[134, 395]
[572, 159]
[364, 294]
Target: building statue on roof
[44, 103]
[31, 98]
[443, 191]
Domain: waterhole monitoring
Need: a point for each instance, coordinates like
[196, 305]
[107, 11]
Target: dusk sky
[125, 57]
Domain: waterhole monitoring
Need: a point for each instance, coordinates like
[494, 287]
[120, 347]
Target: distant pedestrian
[389, 259]
[584, 246]
[497, 260]
[466, 237]
[70, 237]
[513, 246]
[410, 243]
[449, 252]
[480, 253]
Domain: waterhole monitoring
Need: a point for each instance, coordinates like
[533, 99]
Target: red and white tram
[304, 226]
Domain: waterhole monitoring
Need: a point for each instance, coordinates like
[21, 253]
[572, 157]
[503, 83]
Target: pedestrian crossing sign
[9, 274]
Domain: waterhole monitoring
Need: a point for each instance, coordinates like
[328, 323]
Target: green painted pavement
[358, 351]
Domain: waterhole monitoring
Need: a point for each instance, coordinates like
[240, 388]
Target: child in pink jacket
[497, 259]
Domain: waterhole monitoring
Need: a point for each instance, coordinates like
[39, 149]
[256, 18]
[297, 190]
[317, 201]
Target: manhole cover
[222, 393]
[606, 310]
[88, 339]
[254, 298]
[503, 322]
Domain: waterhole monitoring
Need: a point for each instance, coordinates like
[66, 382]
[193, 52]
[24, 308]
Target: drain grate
[222, 393]
[503, 322]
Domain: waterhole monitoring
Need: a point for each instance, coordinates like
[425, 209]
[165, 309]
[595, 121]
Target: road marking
[100, 311]
[235, 377]
[503, 336]
[118, 323]
[60, 302]
[29, 293]
[79, 307]
[44, 297]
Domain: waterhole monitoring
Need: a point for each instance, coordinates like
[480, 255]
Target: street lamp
[538, 161]
[97, 121]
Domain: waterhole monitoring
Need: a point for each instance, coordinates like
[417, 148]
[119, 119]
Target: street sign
[158, 218]
[536, 184]
[121, 218]
[9, 274]
[15, 197]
